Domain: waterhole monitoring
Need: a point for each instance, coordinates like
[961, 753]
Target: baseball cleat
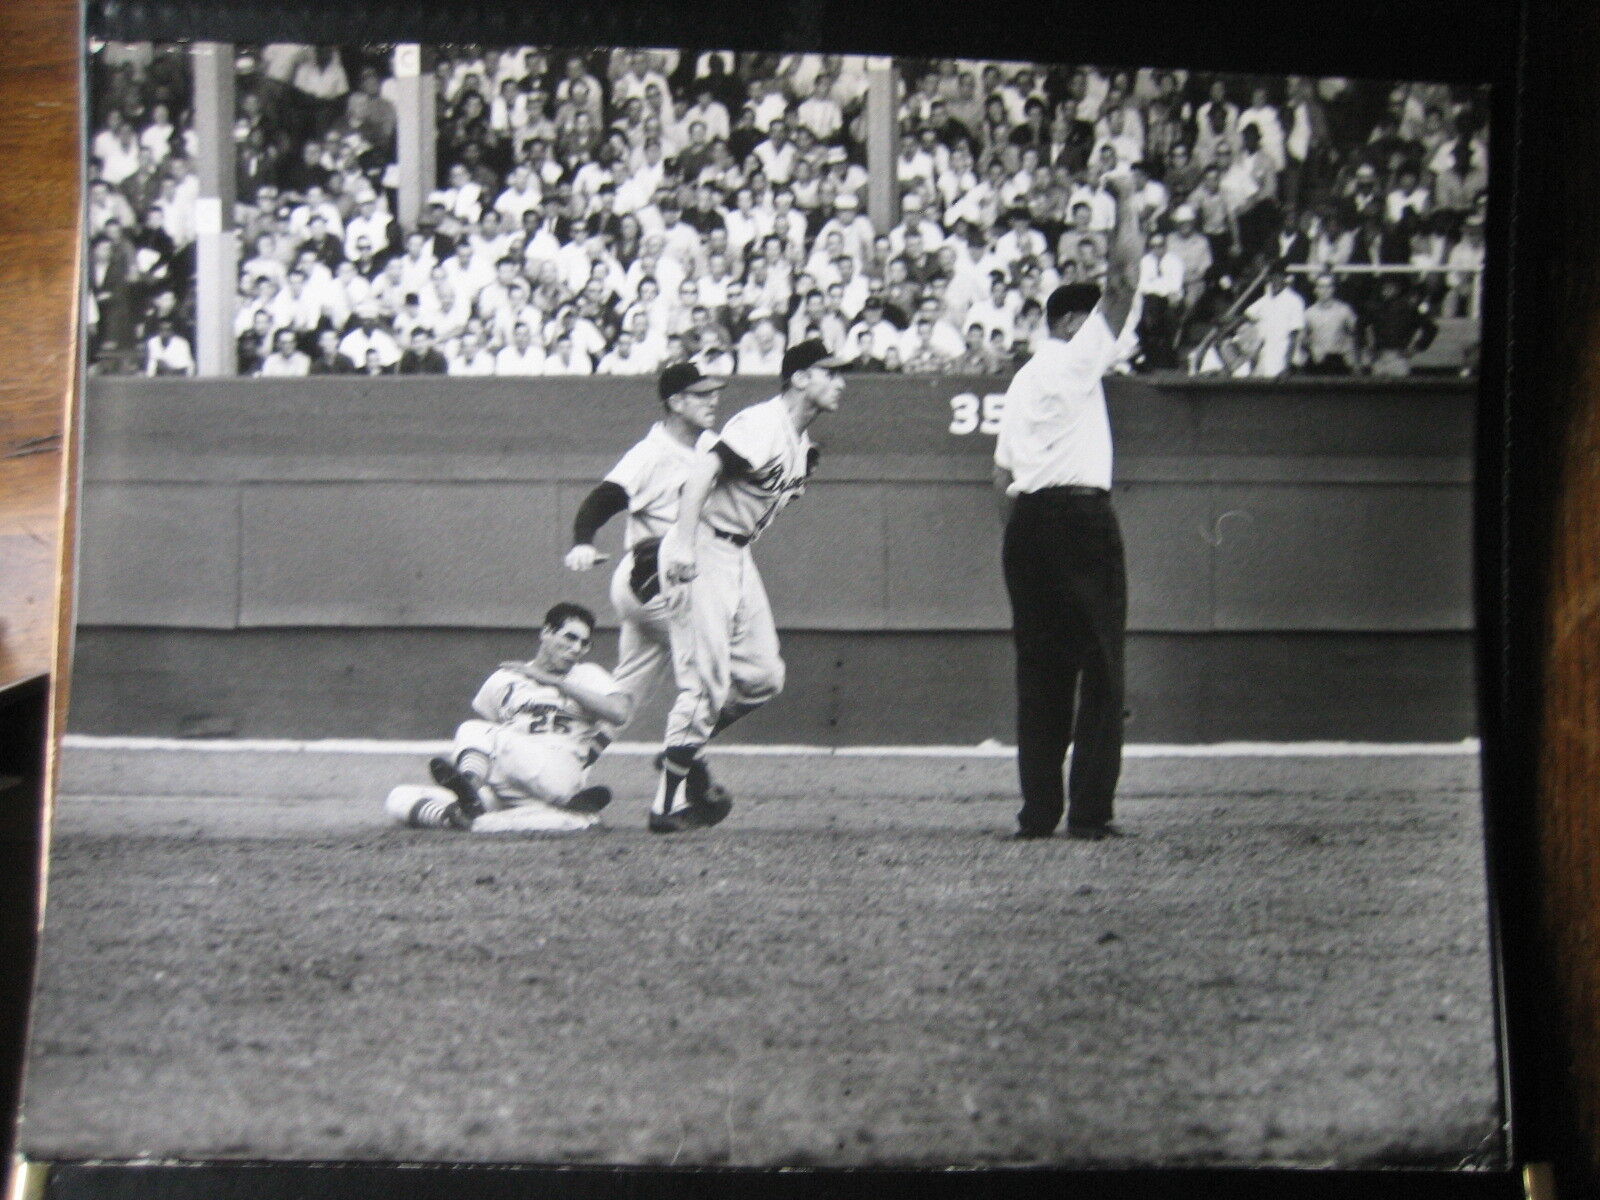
[466, 792]
[697, 783]
[589, 800]
[692, 816]
[425, 808]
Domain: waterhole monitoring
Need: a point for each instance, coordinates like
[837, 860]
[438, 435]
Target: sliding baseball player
[725, 650]
[520, 767]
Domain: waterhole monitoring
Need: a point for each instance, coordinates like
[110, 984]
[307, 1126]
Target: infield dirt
[1288, 964]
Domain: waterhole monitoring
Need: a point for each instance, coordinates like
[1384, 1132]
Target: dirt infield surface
[1288, 964]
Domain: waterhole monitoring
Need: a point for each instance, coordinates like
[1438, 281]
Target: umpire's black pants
[1069, 598]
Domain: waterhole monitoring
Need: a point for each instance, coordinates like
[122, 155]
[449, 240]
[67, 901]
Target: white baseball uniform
[652, 473]
[538, 740]
[725, 651]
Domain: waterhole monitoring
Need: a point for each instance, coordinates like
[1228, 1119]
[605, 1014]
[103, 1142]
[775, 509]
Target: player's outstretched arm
[606, 500]
[601, 702]
[1123, 255]
[677, 548]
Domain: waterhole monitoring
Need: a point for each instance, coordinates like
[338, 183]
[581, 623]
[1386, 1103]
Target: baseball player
[521, 767]
[724, 644]
[645, 484]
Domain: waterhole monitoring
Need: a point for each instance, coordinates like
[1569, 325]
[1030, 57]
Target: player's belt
[1067, 489]
[738, 539]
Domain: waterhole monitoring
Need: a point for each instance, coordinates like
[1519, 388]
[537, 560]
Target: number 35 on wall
[970, 415]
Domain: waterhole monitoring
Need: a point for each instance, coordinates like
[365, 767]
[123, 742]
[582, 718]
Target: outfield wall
[1299, 554]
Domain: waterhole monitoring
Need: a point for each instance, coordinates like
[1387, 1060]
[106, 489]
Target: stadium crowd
[609, 212]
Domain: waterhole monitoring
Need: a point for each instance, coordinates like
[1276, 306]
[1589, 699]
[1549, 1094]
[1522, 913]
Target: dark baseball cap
[810, 353]
[686, 377]
[1071, 298]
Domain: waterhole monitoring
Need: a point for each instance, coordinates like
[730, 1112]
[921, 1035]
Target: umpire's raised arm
[1123, 255]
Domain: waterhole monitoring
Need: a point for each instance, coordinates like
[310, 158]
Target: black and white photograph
[685, 607]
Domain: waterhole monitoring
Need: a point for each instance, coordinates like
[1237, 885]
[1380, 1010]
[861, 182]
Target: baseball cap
[807, 354]
[686, 377]
[1070, 298]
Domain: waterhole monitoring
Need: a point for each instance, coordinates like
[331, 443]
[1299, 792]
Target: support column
[415, 133]
[216, 240]
[883, 144]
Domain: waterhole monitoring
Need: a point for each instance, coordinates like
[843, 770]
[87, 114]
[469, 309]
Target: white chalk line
[133, 745]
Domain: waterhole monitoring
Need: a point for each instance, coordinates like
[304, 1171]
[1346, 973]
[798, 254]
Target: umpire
[1063, 548]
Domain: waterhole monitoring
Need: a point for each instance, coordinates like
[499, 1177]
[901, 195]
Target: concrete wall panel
[397, 554]
[159, 554]
[1343, 557]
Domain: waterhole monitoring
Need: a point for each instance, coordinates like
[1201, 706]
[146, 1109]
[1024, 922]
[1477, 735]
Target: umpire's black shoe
[1033, 835]
[445, 775]
[713, 810]
[589, 800]
[1094, 833]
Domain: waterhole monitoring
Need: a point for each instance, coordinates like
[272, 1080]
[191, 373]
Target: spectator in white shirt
[157, 134]
[566, 359]
[467, 274]
[167, 352]
[852, 287]
[368, 336]
[1409, 197]
[1161, 272]
[914, 216]
[523, 193]
[766, 103]
[117, 148]
[1193, 248]
[856, 229]
[316, 203]
[286, 360]
[463, 198]
[1020, 241]
[931, 330]
[626, 358]
[997, 310]
[1264, 116]
[471, 357]
[710, 112]
[1279, 315]
[302, 306]
[417, 263]
[1150, 196]
[522, 356]
[777, 153]
[448, 308]
[1160, 289]
[761, 349]
[1102, 208]
[820, 113]
[496, 295]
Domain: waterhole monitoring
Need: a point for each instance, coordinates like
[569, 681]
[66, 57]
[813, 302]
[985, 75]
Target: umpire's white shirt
[1054, 431]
